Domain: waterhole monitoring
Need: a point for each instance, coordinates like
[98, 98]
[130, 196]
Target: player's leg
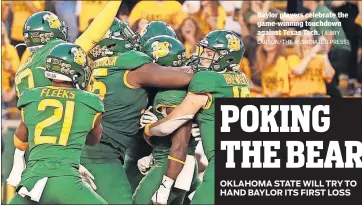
[195, 184]
[111, 181]
[177, 196]
[205, 193]
[138, 149]
[69, 190]
[61, 190]
[74, 192]
[149, 184]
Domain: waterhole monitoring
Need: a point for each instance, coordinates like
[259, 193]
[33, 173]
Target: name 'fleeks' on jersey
[58, 121]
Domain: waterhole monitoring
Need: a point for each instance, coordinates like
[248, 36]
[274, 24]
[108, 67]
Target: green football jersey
[58, 121]
[215, 85]
[123, 104]
[31, 73]
[164, 99]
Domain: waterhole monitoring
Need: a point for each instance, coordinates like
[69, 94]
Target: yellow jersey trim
[100, 72]
[19, 144]
[95, 118]
[147, 130]
[209, 101]
[175, 159]
[22, 115]
[126, 83]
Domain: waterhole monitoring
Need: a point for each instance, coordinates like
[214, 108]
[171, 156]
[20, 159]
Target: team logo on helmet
[66, 68]
[53, 21]
[233, 42]
[98, 51]
[79, 56]
[160, 49]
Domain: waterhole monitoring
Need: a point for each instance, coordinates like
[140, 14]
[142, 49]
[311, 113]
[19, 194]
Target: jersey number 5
[26, 73]
[100, 86]
[240, 92]
[56, 117]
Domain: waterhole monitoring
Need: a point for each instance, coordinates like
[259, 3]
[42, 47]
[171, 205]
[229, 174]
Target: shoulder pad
[132, 60]
[28, 96]
[91, 100]
[204, 81]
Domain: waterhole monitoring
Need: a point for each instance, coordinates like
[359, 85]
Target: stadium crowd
[290, 63]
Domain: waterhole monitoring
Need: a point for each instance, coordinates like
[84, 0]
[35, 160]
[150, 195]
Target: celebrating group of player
[81, 121]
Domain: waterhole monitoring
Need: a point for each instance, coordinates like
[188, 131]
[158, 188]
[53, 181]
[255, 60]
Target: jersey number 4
[240, 92]
[56, 117]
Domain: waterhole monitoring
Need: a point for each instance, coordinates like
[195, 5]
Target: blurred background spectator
[170, 12]
[309, 69]
[210, 16]
[21, 10]
[193, 19]
[67, 11]
[89, 10]
[139, 24]
[272, 67]
[189, 33]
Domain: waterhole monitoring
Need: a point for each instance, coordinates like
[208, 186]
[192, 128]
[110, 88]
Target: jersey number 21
[56, 117]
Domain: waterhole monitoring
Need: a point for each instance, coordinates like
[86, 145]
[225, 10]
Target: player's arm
[21, 145]
[21, 137]
[178, 151]
[98, 28]
[154, 75]
[179, 116]
[94, 136]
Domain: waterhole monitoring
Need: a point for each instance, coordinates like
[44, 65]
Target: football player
[120, 80]
[56, 122]
[173, 55]
[140, 148]
[156, 28]
[219, 53]
[42, 32]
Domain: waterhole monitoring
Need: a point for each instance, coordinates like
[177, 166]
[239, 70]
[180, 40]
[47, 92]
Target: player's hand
[18, 168]
[161, 195]
[195, 131]
[87, 177]
[147, 117]
[145, 163]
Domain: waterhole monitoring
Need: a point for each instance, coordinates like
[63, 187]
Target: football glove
[87, 177]
[161, 195]
[147, 117]
[145, 163]
[18, 168]
[195, 131]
